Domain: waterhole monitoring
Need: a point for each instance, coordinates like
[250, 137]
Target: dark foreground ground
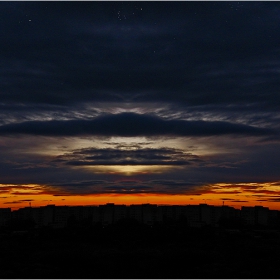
[127, 251]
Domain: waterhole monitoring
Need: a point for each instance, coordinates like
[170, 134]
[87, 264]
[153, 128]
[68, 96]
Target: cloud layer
[131, 124]
[148, 156]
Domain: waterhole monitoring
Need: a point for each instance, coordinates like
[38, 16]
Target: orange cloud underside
[236, 195]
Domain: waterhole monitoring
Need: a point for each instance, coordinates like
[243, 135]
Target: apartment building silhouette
[149, 214]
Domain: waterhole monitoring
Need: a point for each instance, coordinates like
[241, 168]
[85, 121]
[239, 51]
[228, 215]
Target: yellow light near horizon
[129, 170]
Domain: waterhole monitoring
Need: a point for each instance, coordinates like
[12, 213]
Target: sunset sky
[140, 102]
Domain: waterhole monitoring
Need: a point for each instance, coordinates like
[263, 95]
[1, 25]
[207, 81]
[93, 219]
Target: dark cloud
[173, 184]
[171, 187]
[274, 199]
[109, 156]
[12, 202]
[129, 190]
[14, 187]
[82, 183]
[131, 124]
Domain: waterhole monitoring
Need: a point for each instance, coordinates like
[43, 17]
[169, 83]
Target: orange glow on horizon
[128, 199]
[235, 195]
